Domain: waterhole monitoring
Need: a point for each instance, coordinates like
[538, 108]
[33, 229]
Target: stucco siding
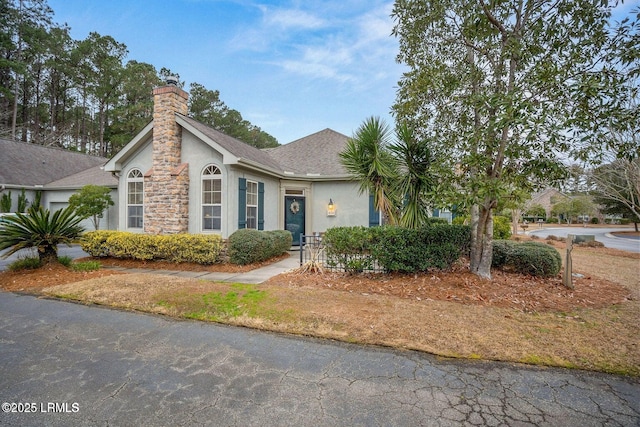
[351, 208]
[199, 155]
[141, 160]
[271, 199]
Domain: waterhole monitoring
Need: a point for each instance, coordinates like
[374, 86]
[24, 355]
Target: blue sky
[291, 67]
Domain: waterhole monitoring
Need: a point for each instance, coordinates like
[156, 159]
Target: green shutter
[261, 206]
[374, 215]
[242, 203]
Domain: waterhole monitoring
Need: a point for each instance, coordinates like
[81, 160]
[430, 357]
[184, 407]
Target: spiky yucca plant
[40, 229]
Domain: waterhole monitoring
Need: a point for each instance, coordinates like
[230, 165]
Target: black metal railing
[315, 254]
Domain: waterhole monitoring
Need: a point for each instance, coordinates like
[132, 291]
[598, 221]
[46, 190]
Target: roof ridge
[49, 147]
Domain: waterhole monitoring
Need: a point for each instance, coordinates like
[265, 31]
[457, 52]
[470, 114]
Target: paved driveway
[74, 251]
[106, 367]
[631, 244]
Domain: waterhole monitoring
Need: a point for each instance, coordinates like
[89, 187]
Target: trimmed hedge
[534, 258]
[396, 249]
[349, 248]
[197, 248]
[247, 246]
[409, 250]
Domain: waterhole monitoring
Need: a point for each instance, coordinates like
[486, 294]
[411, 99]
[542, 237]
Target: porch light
[331, 208]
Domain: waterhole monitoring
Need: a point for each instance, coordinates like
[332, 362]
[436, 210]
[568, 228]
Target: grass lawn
[453, 314]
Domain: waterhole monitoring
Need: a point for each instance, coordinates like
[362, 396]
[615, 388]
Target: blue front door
[294, 217]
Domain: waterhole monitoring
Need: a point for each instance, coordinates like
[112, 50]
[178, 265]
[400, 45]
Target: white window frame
[136, 178]
[210, 203]
[252, 205]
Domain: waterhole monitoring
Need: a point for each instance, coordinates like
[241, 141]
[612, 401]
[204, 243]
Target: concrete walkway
[256, 276]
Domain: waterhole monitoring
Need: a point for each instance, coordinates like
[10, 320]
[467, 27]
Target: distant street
[631, 244]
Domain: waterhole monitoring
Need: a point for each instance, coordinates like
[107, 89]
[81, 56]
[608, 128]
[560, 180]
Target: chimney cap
[171, 80]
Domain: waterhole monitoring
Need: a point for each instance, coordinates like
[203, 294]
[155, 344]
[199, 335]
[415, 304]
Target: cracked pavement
[124, 368]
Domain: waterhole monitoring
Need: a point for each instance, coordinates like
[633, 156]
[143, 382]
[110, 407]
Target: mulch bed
[509, 290]
[182, 266]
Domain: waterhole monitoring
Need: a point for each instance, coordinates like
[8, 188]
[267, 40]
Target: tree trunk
[481, 241]
[48, 254]
[515, 216]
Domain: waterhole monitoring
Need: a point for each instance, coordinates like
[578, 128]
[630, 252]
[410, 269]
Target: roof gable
[240, 151]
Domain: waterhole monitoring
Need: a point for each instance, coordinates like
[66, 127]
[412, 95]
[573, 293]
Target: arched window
[211, 199]
[135, 199]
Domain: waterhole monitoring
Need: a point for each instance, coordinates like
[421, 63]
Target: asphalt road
[601, 235]
[77, 365]
[74, 251]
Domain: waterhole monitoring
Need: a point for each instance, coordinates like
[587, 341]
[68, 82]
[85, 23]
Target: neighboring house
[56, 172]
[179, 175]
[546, 198]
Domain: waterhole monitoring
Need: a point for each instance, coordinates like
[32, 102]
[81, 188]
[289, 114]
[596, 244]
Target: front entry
[294, 217]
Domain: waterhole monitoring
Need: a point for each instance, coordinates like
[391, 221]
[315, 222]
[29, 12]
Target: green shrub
[22, 201]
[5, 202]
[534, 258]
[349, 248]
[460, 220]
[552, 220]
[86, 266]
[357, 249]
[133, 245]
[247, 246]
[502, 250]
[65, 260]
[95, 242]
[197, 248]
[501, 227]
[412, 250]
[40, 229]
[436, 220]
[595, 220]
[26, 263]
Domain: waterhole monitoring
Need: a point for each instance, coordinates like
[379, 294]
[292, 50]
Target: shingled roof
[28, 165]
[236, 147]
[316, 154]
[93, 176]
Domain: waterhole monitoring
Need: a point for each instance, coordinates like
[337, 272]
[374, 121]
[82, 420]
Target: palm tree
[368, 161]
[416, 160]
[398, 173]
[40, 229]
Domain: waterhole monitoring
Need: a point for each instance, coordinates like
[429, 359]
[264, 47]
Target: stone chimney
[166, 184]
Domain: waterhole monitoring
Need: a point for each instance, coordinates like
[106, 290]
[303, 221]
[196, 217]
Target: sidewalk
[256, 276]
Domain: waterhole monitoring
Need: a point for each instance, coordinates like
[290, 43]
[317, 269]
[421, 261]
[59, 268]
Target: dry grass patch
[455, 314]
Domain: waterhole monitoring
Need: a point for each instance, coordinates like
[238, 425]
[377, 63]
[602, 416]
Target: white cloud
[350, 46]
[290, 19]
